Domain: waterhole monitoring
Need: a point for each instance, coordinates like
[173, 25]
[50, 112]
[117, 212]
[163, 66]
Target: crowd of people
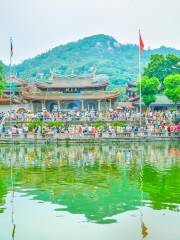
[81, 124]
[68, 116]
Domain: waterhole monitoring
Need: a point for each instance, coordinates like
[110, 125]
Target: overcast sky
[39, 25]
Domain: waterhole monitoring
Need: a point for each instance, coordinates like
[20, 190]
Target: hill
[118, 61]
[5, 67]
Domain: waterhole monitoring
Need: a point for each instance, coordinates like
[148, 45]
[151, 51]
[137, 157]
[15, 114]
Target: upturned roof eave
[45, 86]
[70, 98]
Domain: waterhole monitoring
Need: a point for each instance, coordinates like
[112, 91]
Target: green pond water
[82, 192]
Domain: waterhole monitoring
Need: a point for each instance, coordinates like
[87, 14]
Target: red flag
[141, 44]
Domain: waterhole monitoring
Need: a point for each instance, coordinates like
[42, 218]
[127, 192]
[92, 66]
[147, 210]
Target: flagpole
[10, 79]
[140, 90]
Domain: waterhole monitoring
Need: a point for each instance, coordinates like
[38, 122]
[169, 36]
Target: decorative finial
[72, 72]
[94, 73]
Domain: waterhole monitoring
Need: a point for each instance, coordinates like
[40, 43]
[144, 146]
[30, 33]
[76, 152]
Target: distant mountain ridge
[105, 53]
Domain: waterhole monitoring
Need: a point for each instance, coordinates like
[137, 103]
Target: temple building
[59, 93]
[62, 93]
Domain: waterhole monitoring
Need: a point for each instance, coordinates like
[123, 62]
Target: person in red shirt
[178, 127]
[169, 128]
[94, 132]
[80, 131]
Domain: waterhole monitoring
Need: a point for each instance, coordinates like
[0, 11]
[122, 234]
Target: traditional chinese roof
[14, 81]
[161, 100]
[5, 100]
[132, 84]
[93, 95]
[74, 82]
[8, 90]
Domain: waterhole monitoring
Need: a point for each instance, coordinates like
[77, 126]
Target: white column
[42, 105]
[82, 105]
[32, 106]
[99, 105]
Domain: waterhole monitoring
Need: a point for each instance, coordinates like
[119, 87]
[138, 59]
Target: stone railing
[100, 135]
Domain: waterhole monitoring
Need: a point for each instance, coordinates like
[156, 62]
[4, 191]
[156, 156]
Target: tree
[149, 89]
[161, 66]
[2, 81]
[172, 87]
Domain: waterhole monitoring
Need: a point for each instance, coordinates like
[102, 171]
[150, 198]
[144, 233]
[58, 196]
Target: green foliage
[33, 125]
[149, 89]
[172, 87]
[161, 66]
[118, 124]
[55, 124]
[98, 124]
[148, 99]
[2, 81]
[122, 94]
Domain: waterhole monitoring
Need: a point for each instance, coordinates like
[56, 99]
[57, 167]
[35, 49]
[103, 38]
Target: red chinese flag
[141, 44]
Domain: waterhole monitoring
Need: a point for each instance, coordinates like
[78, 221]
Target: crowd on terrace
[93, 123]
[88, 116]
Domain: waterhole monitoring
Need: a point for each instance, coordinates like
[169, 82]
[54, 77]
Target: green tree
[172, 87]
[2, 81]
[161, 66]
[149, 89]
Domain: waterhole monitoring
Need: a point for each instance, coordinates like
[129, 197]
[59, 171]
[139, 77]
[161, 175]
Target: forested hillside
[108, 56]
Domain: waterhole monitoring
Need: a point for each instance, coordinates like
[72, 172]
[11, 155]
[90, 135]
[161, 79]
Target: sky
[39, 25]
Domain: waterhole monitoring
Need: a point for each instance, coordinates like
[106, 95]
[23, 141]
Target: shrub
[99, 124]
[33, 125]
[118, 124]
[55, 124]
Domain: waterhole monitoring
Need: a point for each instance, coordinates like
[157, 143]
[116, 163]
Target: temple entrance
[22, 110]
[73, 106]
[53, 107]
[91, 105]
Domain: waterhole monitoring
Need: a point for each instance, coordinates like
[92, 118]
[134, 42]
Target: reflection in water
[96, 181]
[12, 201]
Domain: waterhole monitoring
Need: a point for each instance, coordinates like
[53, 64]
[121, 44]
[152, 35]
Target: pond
[100, 192]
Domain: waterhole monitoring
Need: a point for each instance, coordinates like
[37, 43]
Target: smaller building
[131, 91]
[162, 103]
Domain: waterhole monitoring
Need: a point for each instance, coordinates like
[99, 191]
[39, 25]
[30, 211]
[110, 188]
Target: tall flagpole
[140, 90]
[10, 78]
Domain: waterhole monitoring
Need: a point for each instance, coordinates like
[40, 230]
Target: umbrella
[130, 107]
[119, 108]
